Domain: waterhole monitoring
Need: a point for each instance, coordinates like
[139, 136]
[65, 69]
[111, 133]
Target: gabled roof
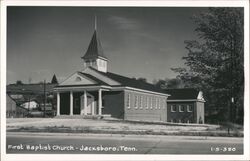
[99, 82]
[130, 82]
[183, 93]
[94, 49]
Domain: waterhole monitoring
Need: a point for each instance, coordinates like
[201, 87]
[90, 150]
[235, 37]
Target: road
[47, 143]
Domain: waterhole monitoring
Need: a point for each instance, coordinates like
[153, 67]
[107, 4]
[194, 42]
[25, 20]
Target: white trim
[100, 75]
[141, 102]
[172, 109]
[140, 90]
[100, 102]
[135, 101]
[71, 113]
[147, 102]
[78, 73]
[151, 102]
[102, 58]
[79, 88]
[58, 104]
[156, 103]
[187, 100]
[180, 108]
[128, 101]
[188, 108]
[200, 96]
[111, 88]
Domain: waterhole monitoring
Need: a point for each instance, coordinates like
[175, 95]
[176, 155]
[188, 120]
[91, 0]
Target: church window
[156, 103]
[173, 108]
[160, 103]
[189, 108]
[151, 102]
[128, 100]
[147, 102]
[136, 102]
[141, 100]
[181, 108]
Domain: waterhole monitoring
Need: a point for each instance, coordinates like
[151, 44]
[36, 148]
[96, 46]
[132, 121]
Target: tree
[215, 61]
[54, 80]
[169, 83]
[19, 82]
[142, 79]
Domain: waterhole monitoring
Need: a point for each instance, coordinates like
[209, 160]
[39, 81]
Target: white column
[58, 104]
[71, 103]
[85, 102]
[93, 108]
[100, 102]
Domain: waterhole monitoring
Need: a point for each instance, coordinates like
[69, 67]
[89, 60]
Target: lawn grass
[115, 127]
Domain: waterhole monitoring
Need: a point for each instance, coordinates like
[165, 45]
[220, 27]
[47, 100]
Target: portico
[80, 101]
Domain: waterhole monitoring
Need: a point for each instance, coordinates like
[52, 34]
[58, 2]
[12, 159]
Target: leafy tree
[169, 83]
[19, 82]
[142, 79]
[215, 62]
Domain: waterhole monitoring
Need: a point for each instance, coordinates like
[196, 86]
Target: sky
[138, 41]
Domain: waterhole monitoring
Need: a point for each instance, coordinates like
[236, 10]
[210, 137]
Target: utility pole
[44, 90]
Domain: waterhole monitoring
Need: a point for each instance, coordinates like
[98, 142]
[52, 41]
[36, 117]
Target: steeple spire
[94, 55]
[95, 23]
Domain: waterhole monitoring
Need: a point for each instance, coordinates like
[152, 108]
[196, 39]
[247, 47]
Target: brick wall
[181, 114]
[113, 103]
[144, 107]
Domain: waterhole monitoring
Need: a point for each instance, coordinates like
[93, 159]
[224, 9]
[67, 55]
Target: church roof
[94, 49]
[131, 82]
[99, 82]
[182, 93]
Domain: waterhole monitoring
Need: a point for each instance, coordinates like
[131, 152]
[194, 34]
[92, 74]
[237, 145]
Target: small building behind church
[185, 105]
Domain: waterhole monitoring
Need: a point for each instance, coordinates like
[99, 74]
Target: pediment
[200, 96]
[78, 79]
[102, 77]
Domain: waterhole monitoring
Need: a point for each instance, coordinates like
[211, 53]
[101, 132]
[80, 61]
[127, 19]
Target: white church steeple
[94, 56]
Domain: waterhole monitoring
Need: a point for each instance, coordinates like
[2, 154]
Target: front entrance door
[90, 104]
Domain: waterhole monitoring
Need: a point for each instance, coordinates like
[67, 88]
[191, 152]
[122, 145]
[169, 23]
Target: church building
[96, 91]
